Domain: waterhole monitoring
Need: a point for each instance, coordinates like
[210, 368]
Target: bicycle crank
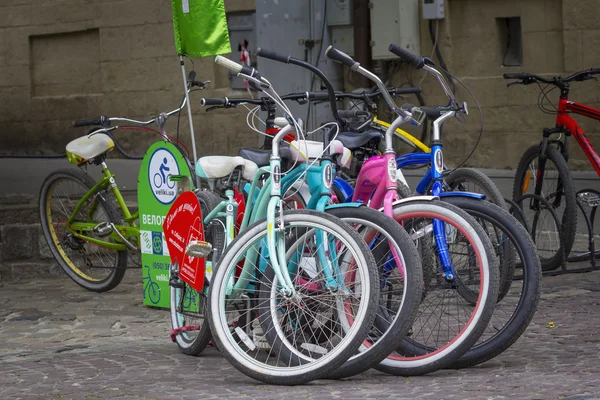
[103, 229]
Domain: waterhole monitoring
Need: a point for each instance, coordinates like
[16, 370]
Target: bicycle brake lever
[216, 107]
[515, 83]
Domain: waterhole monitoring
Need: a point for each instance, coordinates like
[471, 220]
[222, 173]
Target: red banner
[182, 225]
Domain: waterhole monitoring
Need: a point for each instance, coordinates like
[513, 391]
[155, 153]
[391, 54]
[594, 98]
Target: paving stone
[103, 355]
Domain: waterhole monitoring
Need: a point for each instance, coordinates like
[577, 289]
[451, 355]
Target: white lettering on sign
[149, 219]
[185, 5]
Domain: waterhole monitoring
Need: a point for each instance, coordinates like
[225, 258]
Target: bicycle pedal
[258, 337]
[198, 249]
[176, 282]
[103, 229]
[591, 199]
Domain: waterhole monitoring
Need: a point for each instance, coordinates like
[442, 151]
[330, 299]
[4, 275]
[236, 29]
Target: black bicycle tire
[530, 294]
[569, 217]
[208, 201]
[395, 333]
[492, 193]
[115, 277]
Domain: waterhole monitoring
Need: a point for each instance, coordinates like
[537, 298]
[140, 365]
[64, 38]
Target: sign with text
[156, 194]
[182, 225]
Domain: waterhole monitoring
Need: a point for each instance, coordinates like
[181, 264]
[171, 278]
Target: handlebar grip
[213, 102]
[409, 90]
[517, 75]
[416, 61]
[341, 57]
[227, 63]
[352, 113]
[87, 122]
[432, 113]
[595, 71]
[272, 55]
[318, 96]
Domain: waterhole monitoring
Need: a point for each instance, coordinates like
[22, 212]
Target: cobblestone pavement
[58, 341]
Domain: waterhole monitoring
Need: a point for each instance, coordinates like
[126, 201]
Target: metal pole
[189, 111]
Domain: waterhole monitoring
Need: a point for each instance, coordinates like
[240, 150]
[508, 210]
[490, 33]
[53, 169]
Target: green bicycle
[80, 217]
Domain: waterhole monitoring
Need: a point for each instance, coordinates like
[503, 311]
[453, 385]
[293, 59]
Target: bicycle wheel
[446, 325]
[297, 356]
[401, 282]
[559, 190]
[191, 331]
[473, 180]
[517, 307]
[91, 266]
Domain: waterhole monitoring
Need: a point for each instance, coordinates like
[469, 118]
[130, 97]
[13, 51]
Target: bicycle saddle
[261, 156]
[214, 167]
[356, 140]
[88, 147]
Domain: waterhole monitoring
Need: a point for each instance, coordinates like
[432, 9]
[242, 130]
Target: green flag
[200, 27]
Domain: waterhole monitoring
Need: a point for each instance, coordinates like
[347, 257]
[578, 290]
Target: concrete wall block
[574, 50]
[490, 92]
[240, 5]
[580, 14]
[475, 56]
[156, 40]
[543, 52]
[14, 76]
[132, 75]
[133, 12]
[17, 241]
[3, 47]
[115, 43]
[590, 40]
[16, 15]
[72, 107]
[46, 13]
[18, 107]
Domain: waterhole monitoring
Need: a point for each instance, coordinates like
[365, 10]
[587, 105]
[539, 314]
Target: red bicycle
[553, 190]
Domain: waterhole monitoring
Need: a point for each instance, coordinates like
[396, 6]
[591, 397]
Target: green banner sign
[200, 27]
[156, 194]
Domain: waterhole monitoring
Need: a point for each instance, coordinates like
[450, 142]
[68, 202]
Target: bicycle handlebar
[527, 78]
[416, 61]
[291, 60]
[90, 122]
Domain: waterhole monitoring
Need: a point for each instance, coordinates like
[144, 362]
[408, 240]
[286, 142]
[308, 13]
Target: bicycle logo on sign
[161, 167]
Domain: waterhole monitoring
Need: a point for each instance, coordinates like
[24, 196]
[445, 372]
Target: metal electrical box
[433, 9]
[397, 22]
[301, 29]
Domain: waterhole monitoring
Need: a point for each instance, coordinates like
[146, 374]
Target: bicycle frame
[564, 120]
[122, 230]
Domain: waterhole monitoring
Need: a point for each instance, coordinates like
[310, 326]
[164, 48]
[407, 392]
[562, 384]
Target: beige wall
[72, 59]
[559, 37]
[77, 58]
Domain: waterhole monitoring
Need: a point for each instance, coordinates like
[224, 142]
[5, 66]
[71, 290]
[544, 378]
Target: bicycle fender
[478, 196]
[344, 205]
[344, 187]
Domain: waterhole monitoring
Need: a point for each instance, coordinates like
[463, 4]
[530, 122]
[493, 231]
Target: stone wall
[75, 59]
[72, 59]
[559, 37]
[23, 250]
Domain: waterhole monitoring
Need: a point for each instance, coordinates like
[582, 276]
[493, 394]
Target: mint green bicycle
[305, 278]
